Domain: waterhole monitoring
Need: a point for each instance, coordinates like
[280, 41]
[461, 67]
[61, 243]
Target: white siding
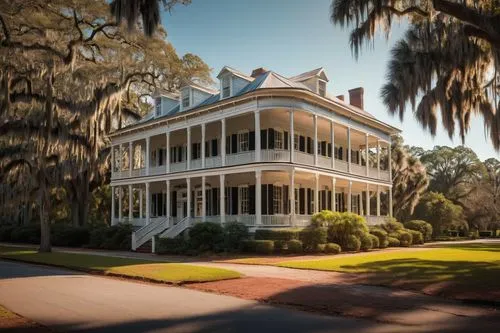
[167, 104]
[197, 97]
[238, 84]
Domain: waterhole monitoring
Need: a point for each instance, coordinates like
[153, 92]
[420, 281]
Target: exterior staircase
[147, 232]
[176, 229]
[146, 247]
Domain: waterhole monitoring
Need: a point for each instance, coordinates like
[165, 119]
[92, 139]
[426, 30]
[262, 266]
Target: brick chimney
[341, 97]
[258, 71]
[356, 97]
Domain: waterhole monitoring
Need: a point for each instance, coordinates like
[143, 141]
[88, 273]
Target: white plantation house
[264, 150]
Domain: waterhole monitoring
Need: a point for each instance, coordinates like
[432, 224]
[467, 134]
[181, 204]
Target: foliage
[352, 243]
[332, 248]
[404, 237]
[381, 234]
[5, 232]
[294, 246]
[324, 218]
[366, 242]
[341, 229]
[375, 241]
[234, 234]
[279, 245]
[311, 237]
[422, 226]
[392, 225]
[26, 234]
[392, 242]
[116, 237]
[264, 247]
[207, 236]
[177, 245]
[65, 235]
[277, 234]
[416, 237]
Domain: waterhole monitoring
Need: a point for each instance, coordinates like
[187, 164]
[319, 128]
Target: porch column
[167, 184]
[390, 201]
[188, 186]
[167, 153]
[203, 200]
[188, 159]
[222, 199]
[112, 160]
[292, 137]
[130, 158]
[316, 193]
[257, 136]
[148, 154]
[367, 199]
[258, 197]
[291, 195]
[120, 203]
[349, 197]
[334, 181]
[366, 156]
[223, 141]
[141, 211]
[378, 200]
[130, 203]
[112, 205]
[148, 205]
[315, 124]
[332, 140]
[378, 159]
[203, 145]
[349, 157]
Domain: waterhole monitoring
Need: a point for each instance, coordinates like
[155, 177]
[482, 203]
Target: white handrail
[177, 229]
[147, 232]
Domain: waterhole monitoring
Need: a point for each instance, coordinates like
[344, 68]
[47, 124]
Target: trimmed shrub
[264, 247]
[332, 248]
[5, 232]
[403, 236]
[311, 237]
[366, 242]
[66, 235]
[279, 245]
[422, 226]
[416, 236]
[352, 244]
[320, 248]
[285, 234]
[347, 225]
[207, 236]
[375, 241]
[234, 233]
[485, 234]
[324, 218]
[177, 245]
[26, 234]
[381, 234]
[248, 246]
[294, 246]
[116, 237]
[392, 225]
[392, 242]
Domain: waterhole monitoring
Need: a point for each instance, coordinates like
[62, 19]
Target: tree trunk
[45, 245]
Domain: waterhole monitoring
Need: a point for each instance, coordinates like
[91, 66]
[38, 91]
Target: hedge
[277, 234]
[351, 244]
[366, 242]
[416, 237]
[176, 245]
[294, 246]
[375, 241]
[206, 236]
[392, 242]
[419, 225]
[257, 246]
[381, 234]
[312, 237]
[404, 237]
[332, 248]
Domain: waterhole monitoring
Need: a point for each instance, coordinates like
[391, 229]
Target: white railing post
[257, 136]
[167, 152]
[203, 200]
[258, 196]
[130, 158]
[292, 136]
[349, 197]
[148, 206]
[315, 124]
[112, 205]
[203, 145]
[367, 199]
[367, 160]
[223, 141]
[130, 205]
[332, 140]
[222, 199]
[334, 181]
[148, 154]
[188, 159]
[378, 200]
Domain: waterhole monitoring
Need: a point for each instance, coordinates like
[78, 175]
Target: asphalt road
[74, 302]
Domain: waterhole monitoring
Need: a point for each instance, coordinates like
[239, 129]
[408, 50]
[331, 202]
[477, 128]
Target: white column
[203, 145]
[316, 193]
[167, 159]
[378, 159]
[120, 202]
[378, 200]
[222, 199]
[148, 154]
[315, 124]
[367, 199]
[367, 160]
[188, 130]
[389, 162]
[332, 140]
[112, 160]
[258, 197]
[223, 141]
[167, 185]
[334, 181]
[148, 205]
[291, 195]
[130, 203]
[141, 211]
[292, 137]
[112, 205]
[188, 186]
[390, 201]
[130, 158]
[349, 197]
[203, 199]
[349, 157]
[257, 136]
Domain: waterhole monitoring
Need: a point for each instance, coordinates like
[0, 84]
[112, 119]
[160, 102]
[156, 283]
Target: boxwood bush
[351, 244]
[277, 234]
[342, 229]
[116, 237]
[375, 241]
[234, 234]
[416, 236]
[279, 246]
[392, 242]
[207, 236]
[264, 247]
[366, 242]
[66, 235]
[381, 234]
[311, 237]
[26, 234]
[332, 248]
[422, 226]
[177, 245]
[294, 246]
[404, 237]
[324, 218]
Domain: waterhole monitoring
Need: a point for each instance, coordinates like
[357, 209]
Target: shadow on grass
[488, 247]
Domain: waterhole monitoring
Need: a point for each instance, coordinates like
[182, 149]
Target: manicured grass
[128, 267]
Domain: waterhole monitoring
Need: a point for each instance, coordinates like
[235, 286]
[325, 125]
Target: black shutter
[323, 148]
[228, 144]
[357, 156]
[302, 143]
[214, 147]
[174, 204]
[285, 139]
[263, 199]
[286, 202]
[207, 148]
[215, 206]
[329, 153]
[270, 208]
[251, 199]
[234, 198]
[263, 139]
[180, 155]
[309, 145]
[329, 198]
[323, 199]
[308, 201]
[340, 153]
[302, 201]
[270, 144]
[251, 140]
[160, 156]
[234, 143]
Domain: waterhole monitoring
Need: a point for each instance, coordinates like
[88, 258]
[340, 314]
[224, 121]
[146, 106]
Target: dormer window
[158, 106]
[322, 88]
[226, 86]
[185, 98]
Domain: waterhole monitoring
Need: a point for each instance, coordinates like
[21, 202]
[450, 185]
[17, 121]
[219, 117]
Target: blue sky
[294, 36]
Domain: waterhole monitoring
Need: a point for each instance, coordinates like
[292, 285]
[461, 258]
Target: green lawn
[158, 271]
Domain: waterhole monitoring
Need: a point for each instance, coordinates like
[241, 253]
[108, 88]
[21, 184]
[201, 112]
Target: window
[355, 203]
[196, 151]
[185, 98]
[243, 141]
[277, 200]
[296, 143]
[244, 202]
[322, 88]
[278, 139]
[158, 106]
[226, 86]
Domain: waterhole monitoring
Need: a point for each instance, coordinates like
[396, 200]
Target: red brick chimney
[258, 71]
[356, 97]
[341, 97]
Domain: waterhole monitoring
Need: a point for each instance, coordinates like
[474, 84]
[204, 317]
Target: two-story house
[264, 150]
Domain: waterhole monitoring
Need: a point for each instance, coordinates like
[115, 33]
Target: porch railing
[213, 162]
[240, 158]
[340, 165]
[303, 158]
[275, 155]
[372, 219]
[146, 233]
[324, 162]
[275, 220]
[176, 229]
[178, 166]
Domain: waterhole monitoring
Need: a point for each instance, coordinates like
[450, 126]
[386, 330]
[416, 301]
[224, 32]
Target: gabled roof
[234, 72]
[199, 87]
[307, 75]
